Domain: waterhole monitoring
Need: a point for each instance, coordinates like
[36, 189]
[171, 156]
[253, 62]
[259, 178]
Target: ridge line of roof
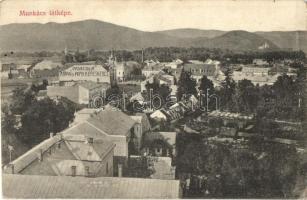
[102, 130]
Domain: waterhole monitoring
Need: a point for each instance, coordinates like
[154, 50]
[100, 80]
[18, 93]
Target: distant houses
[174, 64]
[257, 75]
[12, 70]
[198, 69]
[150, 70]
[227, 118]
[159, 78]
[79, 93]
[46, 69]
[175, 112]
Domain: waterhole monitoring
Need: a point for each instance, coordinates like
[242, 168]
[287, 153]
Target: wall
[107, 162]
[84, 96]
[121, 148]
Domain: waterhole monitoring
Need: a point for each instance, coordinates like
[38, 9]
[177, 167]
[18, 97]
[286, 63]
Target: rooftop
[72, 148]
[70, 92]
[112, 121]
[156, 67]
[217, 113]
[200, 69]
[47, 64]
[34, 187]
[251, 69]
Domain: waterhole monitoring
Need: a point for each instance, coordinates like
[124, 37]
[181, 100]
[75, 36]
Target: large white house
[257, 75]
[95, 73]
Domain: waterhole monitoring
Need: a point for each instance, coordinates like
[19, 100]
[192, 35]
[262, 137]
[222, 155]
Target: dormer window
[87, 171]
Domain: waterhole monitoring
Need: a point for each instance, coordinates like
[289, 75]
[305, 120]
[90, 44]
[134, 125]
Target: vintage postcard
[153, 99]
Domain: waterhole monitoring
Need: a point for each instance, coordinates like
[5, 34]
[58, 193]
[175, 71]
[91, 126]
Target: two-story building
[200, 69]
[150, 70]
[66, 155]
[86, 72]
[257, 75]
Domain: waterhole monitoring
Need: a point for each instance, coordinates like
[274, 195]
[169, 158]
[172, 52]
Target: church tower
[65, 51]
[112, 69]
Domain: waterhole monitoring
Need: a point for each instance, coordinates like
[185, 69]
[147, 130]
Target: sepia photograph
[153, 99]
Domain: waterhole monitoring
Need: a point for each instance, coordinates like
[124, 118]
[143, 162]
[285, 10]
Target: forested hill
[94, 34]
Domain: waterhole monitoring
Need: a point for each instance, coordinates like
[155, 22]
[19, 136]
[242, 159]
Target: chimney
[51, 134]
[12, 168]
[59, 145]
[87, 171]
[90, 140]
[40, 155]
[73, 170]
[120, 170]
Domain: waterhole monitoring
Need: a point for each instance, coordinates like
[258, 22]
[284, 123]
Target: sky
[156, 15]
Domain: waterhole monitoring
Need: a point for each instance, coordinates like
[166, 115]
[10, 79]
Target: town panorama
[87, 111]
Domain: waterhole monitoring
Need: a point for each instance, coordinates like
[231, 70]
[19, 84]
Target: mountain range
[94, 34]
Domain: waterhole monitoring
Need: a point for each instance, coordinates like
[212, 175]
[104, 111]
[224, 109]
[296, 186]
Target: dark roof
[41, 187]
[112, 122]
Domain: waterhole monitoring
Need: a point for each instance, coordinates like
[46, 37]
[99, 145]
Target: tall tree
[22, 98]
[247, 96]
[186, 85]
[207, 89]
[227, 92]
[205, 84]
[287, 97]
[163, 91]
[43, 117]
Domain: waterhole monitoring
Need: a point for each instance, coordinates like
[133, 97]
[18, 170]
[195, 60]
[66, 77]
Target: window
[107, 168]
[73, 170]
[87, 170]
[137, 128]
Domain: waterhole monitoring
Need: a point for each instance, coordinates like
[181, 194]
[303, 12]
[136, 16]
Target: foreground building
[66, 155]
